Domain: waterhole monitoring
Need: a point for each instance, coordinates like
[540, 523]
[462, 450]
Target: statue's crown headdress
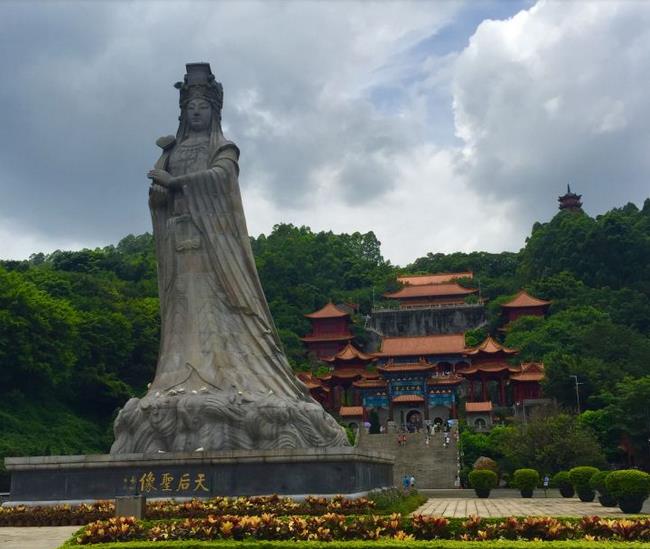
[199, 83]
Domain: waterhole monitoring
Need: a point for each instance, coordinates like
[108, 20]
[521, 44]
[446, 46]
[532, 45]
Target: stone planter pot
[586, 495]
[630, 505]
[608, 501]
[567, 491]
[482, 492]
[528, 493]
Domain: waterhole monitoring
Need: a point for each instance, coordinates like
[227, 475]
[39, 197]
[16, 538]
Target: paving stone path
[505, 507]
[45, 537]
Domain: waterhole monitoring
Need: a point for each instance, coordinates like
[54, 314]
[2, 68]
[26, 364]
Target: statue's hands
[161, 177]
[157, 195]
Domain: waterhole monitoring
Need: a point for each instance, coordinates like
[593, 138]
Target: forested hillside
[79, 330]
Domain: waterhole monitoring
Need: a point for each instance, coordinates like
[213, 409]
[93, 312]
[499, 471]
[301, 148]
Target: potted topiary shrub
[483, 480]
[630, 487]
[597, 483]
[580, 477]
[562, 482]
[526, 480]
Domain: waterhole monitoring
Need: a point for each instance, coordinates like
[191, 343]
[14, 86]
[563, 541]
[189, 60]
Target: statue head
[201, 101]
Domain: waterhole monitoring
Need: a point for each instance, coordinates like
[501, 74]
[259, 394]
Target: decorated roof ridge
[432, 278]
[532, 367]
[405, 366]
[524, 299]
[351, 411]
[485, 406]
[424, 290]
[315, 337]
[349, 352]
[328, 311]
[311, 381]
[344, 373]
[530, 371]
[491, 346]
[452, 379]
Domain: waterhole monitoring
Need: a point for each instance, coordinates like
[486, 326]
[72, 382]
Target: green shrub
[630, 487]
[580, 477]
[483, 480]
[562, 482]
[597, 482]
[526, 480]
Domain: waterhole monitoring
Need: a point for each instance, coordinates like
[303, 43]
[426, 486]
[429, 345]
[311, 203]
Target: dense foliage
[79, 329]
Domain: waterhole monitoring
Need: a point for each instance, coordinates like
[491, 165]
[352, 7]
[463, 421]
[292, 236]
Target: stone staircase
[433, 466]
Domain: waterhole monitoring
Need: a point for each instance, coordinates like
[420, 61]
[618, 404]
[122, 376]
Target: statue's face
[199, 113]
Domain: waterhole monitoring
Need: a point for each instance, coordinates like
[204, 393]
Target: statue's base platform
[199, 474]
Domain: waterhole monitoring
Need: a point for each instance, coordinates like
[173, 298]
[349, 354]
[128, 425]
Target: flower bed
[336, 527]
[64, 515]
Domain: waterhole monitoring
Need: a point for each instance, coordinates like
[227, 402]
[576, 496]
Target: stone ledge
[298, 455]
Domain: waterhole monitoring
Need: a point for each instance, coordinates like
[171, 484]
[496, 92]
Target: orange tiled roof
[447, 344]
[349, 352]
[329, 311]
[351, 411]
[524, 299]
[408, 398]
[532, 371]
[431, 290]
[311, 381]
[490, 346]
[491, 367]
[477, 407]
[370, 383]
[435, 278]
[346, 373]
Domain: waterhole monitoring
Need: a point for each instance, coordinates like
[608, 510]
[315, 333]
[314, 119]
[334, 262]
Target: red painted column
[483, 388]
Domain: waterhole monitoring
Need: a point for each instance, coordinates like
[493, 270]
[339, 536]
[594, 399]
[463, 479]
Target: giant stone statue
[222, 380]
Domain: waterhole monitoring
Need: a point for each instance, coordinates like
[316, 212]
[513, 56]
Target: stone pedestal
[296, 472]
[130, 506]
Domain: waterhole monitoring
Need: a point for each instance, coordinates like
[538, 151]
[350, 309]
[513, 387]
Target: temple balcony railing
[431, 306]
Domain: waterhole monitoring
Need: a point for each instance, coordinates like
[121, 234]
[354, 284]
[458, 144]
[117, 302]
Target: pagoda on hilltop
[330, 331]
[523, 304]
[570, 201]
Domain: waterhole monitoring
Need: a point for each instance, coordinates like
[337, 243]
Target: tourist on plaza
[412, 482]
[406, 481]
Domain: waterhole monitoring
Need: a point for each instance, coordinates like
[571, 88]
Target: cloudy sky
[439, 125]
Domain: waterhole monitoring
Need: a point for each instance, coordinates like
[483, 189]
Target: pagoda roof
[531, 371]
[435, 278]
[445, 344]
[328, 311]
[524, 299]
[348, 353]
[343, 373]
[420, 366]
[490, 347]
[403, 399]
[351, 411]
[311, 381]
[489, 368]
[374, 383]
[478, 407]
[327, 337]
[445, 380]
[430, 290]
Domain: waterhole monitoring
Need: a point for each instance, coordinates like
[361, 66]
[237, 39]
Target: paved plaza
[36, 537]
[505, 507]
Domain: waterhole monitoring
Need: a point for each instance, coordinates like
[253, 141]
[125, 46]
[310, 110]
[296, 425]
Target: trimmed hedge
[380, 544]
[483, 480]
[526, 480]
[562, 482]
[597, 482]
[368, 529]
[630, 487]
[580, 477]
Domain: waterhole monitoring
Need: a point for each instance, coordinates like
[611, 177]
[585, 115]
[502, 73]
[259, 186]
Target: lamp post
[577, 391]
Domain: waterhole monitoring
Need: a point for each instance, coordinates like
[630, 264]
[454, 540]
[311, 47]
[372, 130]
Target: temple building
[570, 201]
[412, 380]
[330, 331]
[523, 304]
[427, 295]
